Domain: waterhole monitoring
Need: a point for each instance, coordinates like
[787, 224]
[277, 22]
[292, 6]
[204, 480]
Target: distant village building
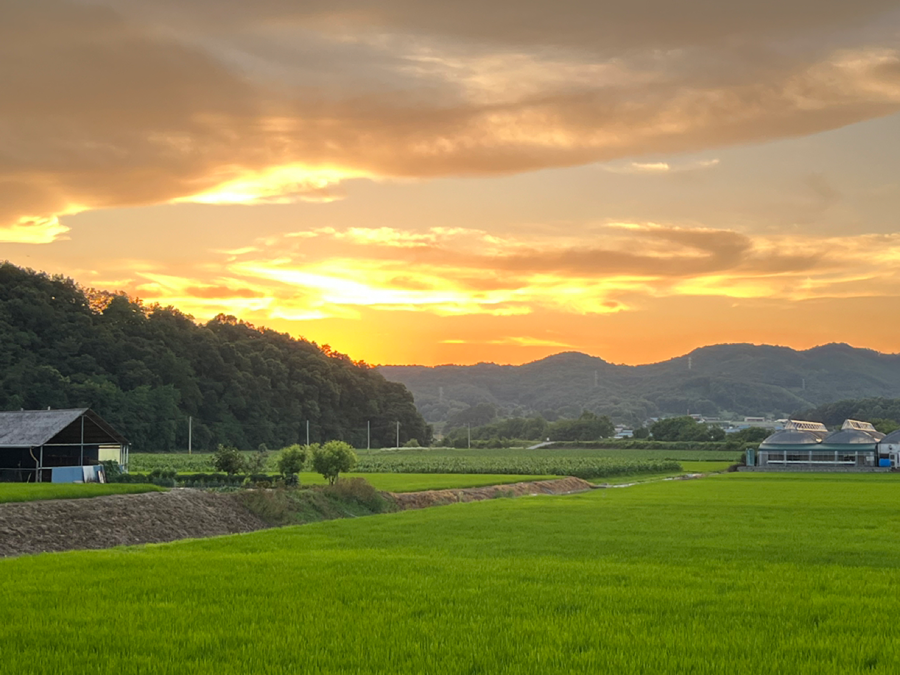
[809, 445]
[57, 446]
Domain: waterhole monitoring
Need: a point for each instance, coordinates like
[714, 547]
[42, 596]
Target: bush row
[168, 478]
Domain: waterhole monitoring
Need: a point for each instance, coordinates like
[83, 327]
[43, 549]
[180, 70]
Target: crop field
[550, 452]
[31, 492]
[730, 574]
[586, 463]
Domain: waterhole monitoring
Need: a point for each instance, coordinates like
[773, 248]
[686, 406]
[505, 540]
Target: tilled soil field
[120, 520]
[421, 500]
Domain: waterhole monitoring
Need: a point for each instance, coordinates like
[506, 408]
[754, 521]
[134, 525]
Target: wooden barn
[58, 446]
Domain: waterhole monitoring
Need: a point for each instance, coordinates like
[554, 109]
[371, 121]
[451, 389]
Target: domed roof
[893, 437]
[792, 437]
[851, 437]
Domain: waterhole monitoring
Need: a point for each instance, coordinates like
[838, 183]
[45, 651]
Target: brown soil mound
[119, 520]
[421, 500]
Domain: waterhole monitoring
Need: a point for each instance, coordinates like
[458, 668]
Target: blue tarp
[78, 474]
[67, 474]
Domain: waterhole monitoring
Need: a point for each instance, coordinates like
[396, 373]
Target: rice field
[31, 492]
[737, 573]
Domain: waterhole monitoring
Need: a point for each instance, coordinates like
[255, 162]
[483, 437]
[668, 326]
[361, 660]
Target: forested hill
[739, 378]
[145, 370]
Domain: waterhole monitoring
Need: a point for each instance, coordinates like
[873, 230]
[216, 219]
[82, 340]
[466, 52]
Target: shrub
[411, 443]
[358, 490]
[256, 462]
[333, 458]
[291, 460]
[229, 460]
[113, 470]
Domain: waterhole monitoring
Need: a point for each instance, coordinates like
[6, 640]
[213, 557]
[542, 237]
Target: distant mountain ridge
[744, 379]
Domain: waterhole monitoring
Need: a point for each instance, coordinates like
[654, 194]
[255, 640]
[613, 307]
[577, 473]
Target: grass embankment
[740, 573]
[348, 498]
[414, 482]
[31, 492]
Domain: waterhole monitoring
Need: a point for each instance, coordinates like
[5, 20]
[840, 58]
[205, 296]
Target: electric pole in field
[190, 433]
[368, 434]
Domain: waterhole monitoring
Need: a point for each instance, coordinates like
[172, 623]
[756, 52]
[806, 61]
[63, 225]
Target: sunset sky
[434, 182]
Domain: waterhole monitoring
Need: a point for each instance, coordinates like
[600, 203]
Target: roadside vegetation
[777, 573]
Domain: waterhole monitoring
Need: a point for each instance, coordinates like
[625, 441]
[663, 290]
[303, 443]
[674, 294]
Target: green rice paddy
[31, 492]
[738, 573]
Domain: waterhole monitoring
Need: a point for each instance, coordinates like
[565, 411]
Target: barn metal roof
[851, 437]
[32, 428]
[893, 437]
[792, 437]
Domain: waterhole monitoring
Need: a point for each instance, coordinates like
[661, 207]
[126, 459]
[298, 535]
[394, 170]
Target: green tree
[684, 429]
[147, 369]
[292, 460]
[885, 426]
[333, 458]
[229, 460]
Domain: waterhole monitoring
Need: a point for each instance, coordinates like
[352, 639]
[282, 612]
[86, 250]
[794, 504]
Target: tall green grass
[732, 574]
[30, 492]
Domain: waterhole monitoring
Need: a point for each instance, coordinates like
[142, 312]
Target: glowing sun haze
[439, 182]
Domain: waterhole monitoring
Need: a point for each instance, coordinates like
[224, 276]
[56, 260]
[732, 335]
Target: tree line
[146, 369]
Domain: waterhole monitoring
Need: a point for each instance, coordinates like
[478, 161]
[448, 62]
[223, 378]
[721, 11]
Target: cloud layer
[328, 273]
[121, 103]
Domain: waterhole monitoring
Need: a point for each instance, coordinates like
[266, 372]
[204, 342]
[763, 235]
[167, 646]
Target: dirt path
[120, 520]
[421, 500]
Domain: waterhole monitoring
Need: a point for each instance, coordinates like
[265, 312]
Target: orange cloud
[35, 230]
[119, 103]
[323, 279]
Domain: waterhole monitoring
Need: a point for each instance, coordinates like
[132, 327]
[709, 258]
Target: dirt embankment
[155, 517]
[421, 500]
[118, 520]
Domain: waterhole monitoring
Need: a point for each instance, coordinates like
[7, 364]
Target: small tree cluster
[330, 460]
[685, 429]
[333, 458]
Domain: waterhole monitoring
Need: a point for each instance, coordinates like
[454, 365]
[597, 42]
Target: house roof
[32, 428]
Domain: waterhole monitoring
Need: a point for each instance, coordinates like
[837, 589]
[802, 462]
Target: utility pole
[469, 435]
[307, 433]
[690, 363]
[398, 433]
[368, 434]
[190, 433]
